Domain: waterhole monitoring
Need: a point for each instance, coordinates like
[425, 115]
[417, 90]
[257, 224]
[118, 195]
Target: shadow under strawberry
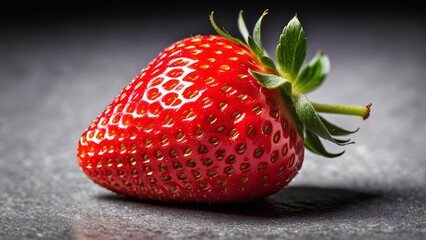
[291, 201]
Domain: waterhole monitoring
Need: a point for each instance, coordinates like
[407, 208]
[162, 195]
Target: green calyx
[294, 80]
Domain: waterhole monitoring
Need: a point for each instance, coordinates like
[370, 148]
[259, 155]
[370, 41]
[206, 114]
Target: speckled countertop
[51, 70]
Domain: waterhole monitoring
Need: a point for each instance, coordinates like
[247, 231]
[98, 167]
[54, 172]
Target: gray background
[60, 66]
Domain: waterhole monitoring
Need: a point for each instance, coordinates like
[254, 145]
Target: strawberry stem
[362, 111]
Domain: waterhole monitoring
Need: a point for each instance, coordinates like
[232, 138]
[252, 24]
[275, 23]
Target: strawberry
[212, 119]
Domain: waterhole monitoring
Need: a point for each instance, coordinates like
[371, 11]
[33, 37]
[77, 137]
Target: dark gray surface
[56, 77]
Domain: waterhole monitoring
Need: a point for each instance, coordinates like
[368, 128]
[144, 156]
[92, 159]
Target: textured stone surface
[55, 77]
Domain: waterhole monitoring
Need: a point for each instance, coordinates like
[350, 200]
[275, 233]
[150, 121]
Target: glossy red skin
[204, 132]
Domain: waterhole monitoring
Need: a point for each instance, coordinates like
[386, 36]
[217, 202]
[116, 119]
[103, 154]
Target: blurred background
[62, 63]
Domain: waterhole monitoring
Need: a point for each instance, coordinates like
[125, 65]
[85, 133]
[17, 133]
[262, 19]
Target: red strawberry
[211, 119]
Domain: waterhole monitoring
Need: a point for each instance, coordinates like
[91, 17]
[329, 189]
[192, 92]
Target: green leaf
[311, 120]
[224, 33]
[260, 54]
[268, 62]
[272, 81]
[313, 74]
[242, 27]
[256, 31]
[291, 51]
[255, 48]
[336, 130]
[314, 144]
